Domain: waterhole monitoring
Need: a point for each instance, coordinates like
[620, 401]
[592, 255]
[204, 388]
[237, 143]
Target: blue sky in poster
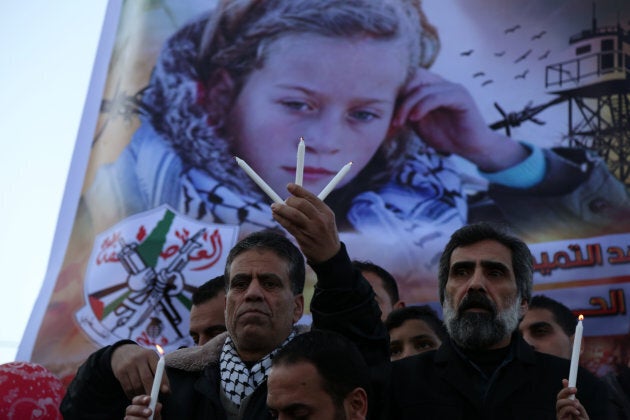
[48, 49]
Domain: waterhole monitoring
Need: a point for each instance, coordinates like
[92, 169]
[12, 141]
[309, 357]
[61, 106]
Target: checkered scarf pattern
[237, 381]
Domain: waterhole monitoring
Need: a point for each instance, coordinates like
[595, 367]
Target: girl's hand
[446, 118]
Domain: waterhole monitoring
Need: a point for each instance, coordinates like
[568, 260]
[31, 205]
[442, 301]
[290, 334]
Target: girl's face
[339, 94]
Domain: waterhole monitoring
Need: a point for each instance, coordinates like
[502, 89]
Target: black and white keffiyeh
[205, 198]
[237, 381]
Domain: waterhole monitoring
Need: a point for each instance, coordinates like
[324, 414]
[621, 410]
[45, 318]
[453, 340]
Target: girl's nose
[324, 137]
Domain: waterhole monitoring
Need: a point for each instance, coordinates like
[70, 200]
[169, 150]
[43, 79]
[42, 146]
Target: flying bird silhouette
[512, 29]
[539, 35]
[466, 52]
[523, 57]
[544, 55]
[487, 82]
[522, 75]
[479, 74]
[499, 54]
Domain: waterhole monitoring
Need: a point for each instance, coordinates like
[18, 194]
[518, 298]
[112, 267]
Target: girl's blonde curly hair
[238, 33]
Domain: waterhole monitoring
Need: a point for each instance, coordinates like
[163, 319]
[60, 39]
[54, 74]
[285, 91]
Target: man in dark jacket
[265, 276]
[318, 375]
[549, 327]
[485, 370]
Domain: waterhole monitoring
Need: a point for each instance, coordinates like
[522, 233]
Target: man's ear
[298, 309]
[216, 94]
[399, 304]
[523, 309]
[356, 404]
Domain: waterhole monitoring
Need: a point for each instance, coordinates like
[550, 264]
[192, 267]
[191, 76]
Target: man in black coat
[486, 370]
[264, 278]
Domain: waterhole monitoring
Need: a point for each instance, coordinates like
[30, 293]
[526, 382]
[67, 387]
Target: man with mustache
[485, 370]
[265, 273]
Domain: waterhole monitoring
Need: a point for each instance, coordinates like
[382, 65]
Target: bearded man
[485, 370]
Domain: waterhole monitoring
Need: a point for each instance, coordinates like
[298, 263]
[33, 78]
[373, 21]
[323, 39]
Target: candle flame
[581, 317]
[159, 349]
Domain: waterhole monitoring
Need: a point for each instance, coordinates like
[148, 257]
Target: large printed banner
[472, 110]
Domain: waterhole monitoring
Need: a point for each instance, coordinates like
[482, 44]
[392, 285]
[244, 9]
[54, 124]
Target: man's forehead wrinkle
[260, 275]
[483, 263]
[493, 264]
[242, 276]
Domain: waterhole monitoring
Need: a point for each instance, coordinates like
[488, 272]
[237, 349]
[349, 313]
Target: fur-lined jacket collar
[194, 359]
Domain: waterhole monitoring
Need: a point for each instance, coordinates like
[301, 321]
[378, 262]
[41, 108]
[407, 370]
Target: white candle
[259, 181]
[333, 182]
[157, 381]
[299, 167]
[575, 355]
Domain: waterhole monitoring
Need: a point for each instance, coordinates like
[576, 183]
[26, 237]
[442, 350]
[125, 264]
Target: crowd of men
[367, 354]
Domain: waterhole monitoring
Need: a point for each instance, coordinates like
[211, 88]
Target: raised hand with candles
[311, 222]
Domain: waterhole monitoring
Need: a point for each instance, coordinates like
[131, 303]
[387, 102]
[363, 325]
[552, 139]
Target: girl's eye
[363, 115]
[296, 105]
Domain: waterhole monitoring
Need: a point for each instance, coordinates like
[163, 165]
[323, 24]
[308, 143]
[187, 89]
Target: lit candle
[575, 355]
[157, 381]
[259, 181]
[333, 182]
[299, 167]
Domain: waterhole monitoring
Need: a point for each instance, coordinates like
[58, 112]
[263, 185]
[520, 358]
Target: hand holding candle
[157, 381]
[259, 181]
[575, 355]
[333, 182]
[299, 167]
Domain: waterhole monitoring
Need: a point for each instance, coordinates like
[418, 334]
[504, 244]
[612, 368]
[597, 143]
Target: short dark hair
[273, 241]
[522, 260]
[389, 282]
[561, 313]
[208, 290]
[422, 312]
[336, 358]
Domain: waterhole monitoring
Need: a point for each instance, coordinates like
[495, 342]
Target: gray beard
[480, 330]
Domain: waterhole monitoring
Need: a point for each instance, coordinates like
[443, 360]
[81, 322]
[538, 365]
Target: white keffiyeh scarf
[237, 381]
